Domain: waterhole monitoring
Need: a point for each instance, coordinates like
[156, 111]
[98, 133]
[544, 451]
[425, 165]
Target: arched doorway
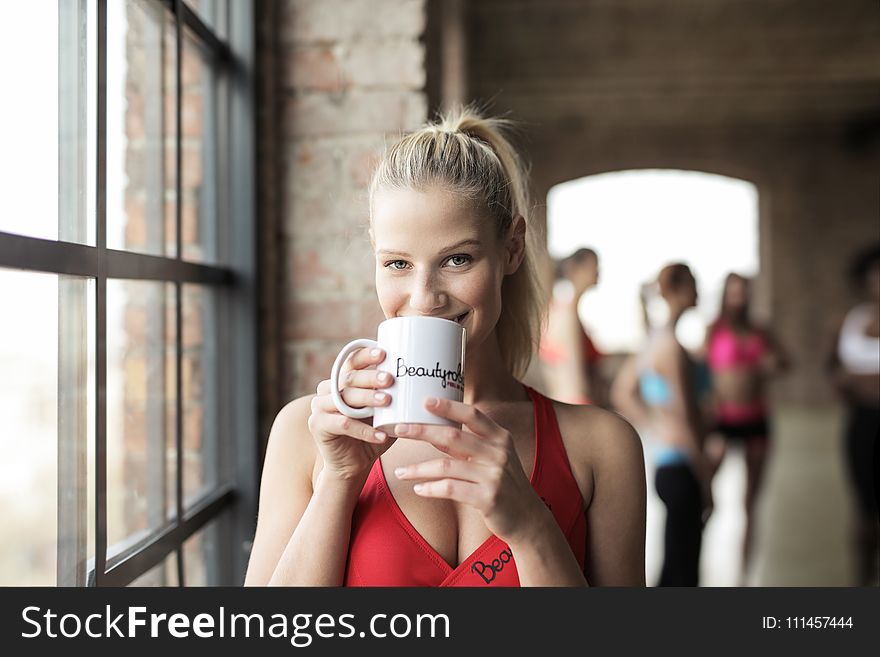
[640, 220]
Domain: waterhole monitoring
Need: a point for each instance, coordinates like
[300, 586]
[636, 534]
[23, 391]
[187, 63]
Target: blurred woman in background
[742, 356]
[570, 362]
[656, 389]
[854, 364]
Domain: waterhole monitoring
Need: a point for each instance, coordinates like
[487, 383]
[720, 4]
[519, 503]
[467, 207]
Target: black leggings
[678, 488]
[862, 429]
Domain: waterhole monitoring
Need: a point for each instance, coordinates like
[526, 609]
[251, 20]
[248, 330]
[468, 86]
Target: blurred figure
[854, 364]
[657, 389]
[741, 357]
[569, 359]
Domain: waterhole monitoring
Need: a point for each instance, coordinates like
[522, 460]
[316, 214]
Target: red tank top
[386, 550]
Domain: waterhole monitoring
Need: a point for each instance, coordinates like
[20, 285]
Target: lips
[460, 318]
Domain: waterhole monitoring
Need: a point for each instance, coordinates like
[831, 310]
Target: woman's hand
[481, 469]
[349, 447]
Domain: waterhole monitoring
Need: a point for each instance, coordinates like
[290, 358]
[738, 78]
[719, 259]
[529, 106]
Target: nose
[426, 295]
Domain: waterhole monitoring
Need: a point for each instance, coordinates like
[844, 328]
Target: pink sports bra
[729, 351]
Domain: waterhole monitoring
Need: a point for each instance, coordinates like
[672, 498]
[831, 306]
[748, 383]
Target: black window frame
[234, 280]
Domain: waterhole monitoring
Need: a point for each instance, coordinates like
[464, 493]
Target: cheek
[389, 293]
[484, 287]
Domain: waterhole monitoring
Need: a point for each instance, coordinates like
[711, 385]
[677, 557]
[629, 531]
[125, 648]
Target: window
[127, 350]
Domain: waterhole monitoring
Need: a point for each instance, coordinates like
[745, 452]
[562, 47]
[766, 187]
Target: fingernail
[380, 396]
[383, 377]
[402, 428]
[380, 436]
[375, 353]
[399, 472]
[432, 401]
[418, 488]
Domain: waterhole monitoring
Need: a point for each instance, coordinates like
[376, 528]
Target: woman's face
[736, 294]
[586, 273]
[689, 292]
[435, 256]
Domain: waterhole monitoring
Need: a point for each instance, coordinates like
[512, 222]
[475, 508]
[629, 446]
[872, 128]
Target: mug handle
[341, 406]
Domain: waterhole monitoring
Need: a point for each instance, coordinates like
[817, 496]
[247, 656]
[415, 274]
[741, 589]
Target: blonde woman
[529, 492]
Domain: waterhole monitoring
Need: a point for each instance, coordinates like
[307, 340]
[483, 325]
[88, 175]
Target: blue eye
[459, 260]
[396, 265]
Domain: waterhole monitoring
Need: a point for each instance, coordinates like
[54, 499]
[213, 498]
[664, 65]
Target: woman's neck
[487, 378]
[675, 314]
[738, 321]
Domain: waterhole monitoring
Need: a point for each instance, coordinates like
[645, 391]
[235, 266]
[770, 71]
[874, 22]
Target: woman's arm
[616, 512]
[568, 378]
[777, 359]
[837, 375]
[625, 393]
[302, 530]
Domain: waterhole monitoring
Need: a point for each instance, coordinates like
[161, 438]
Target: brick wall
[337, 78]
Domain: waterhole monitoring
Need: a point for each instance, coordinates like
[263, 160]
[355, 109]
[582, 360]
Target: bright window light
[639, 221]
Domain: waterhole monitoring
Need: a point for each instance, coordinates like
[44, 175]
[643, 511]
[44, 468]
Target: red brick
[358, 112]
[192, 114]
[135, 222]
[331, 319]
[397, 64]
[310, 21]
[314, 68]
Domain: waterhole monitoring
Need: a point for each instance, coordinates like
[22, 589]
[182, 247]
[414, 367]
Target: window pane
[29, 408]
[214, 14]
[141, 128]
[201, 442]
[163, 574]
[141, 409]
[200, 202]
[204, 553]
[76, 429]
[39, 444]
[29, 126]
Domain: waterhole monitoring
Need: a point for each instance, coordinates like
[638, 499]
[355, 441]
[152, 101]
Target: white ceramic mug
[425, 355]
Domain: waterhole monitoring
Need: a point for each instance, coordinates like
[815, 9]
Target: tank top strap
[553, 479]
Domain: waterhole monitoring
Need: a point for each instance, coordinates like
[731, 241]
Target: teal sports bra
[654, 389]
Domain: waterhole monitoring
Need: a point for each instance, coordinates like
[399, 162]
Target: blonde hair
[471, 155]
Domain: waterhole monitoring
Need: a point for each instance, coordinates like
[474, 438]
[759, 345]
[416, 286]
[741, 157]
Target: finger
[360, 398]
[465, 492]
[342, 425]
[446, 468]
[469, 416]
[452, 441]
[364, 358]
[366, 379]
[354, 397]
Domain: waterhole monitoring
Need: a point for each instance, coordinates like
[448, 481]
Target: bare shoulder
[600, 444]
[595, 432]
[291, 448]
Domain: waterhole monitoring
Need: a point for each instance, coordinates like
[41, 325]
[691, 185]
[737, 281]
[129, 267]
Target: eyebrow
[457, 245]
